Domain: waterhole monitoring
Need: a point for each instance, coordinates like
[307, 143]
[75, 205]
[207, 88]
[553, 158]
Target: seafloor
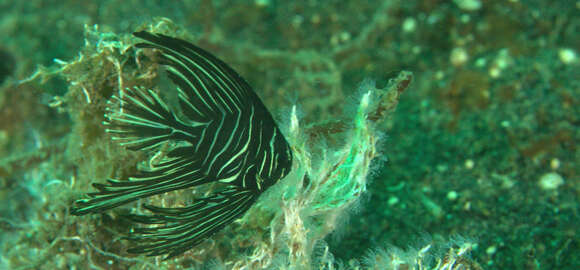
[483, 146]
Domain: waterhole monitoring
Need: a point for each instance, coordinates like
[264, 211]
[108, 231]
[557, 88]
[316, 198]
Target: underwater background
[481, 149]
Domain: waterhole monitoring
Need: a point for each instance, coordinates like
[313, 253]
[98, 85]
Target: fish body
[226, 135]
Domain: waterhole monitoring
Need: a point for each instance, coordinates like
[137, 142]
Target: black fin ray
[185, 227]
[143, 121]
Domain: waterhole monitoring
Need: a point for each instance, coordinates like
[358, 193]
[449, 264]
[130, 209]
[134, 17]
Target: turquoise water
[482, 147]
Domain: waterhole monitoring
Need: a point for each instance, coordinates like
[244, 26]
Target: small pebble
[468, 5]
[452, 195]
[392, 201]
[494, 72]
[458, 56]
[491, 250]
[409, 25]
[554, 163]
[551, 181]
[567, 56]
[469, 164]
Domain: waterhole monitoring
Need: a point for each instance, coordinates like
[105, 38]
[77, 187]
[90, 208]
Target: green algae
[462, 129]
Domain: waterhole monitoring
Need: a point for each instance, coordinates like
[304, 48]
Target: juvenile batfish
[226, 135]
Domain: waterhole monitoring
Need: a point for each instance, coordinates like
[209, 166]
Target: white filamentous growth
[294, 121]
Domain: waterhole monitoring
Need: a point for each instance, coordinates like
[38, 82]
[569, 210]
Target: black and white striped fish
[226, 135]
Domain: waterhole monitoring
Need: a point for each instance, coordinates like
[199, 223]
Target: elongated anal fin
[173, 231]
